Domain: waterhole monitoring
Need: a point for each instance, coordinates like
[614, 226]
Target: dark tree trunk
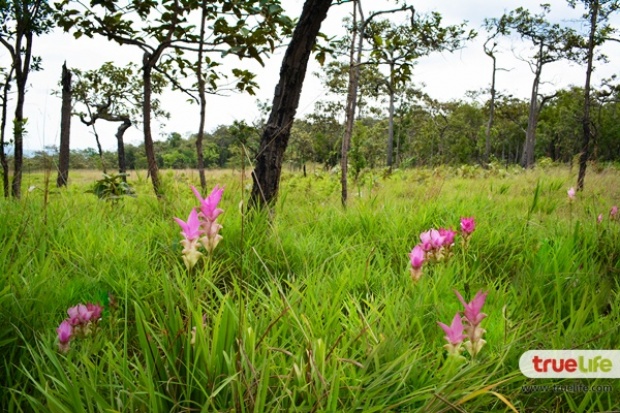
[120, 133]
[65, 128]
[22, 60]
[3, 160]
[527, 160]
[146, 114]
[203, 103]
[354, 71]
[266, 175]
[585, 148]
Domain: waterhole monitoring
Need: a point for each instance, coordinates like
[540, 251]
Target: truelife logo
[566, 364]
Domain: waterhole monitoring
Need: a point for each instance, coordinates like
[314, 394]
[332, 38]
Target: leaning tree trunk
[266, 175]
[146, 115]
[585, 148]
[65, 128]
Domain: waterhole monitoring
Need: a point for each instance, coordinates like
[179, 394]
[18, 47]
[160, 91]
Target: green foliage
[112, 187]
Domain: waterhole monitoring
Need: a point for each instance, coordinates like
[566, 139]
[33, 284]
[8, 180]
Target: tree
[551, 43]
[113, 94]
[20, 22]
[244, 29]
[495, 27]
[598, 13]
[266, 174]
[355, 61]
[399, 46]
[6, 87]
[65, 128]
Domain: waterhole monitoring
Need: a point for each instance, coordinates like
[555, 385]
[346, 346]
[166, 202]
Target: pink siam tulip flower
[431, 240]
[571, 194]
[191, 232]
[437, 240]
[64, 331]
[454, 333]
[426, 244]
[417, 257]
[472, 310]
[473, 317]
[448, 236]
[468, 225]
[208, 205]
[96, 311]
[190, 229]
[79, 314]
[613, 213]
[454, 336]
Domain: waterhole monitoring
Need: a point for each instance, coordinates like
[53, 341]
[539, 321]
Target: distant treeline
[425, 135]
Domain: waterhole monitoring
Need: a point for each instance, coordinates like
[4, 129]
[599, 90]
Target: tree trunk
[65, 128]
[3, 160]
[120, 133]
[354, 72]
[266, 175]
[487, 145]
[146, 115]
[585, 147]
[203, 103]
[390, 146]
[527, 160]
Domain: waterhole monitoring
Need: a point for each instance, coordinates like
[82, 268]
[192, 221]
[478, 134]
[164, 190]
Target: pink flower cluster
[613, 215]
[201, 228]
[436, 245]
[457, 333]
[81, 319]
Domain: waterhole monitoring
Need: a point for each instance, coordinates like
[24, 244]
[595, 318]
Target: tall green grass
[310, 308]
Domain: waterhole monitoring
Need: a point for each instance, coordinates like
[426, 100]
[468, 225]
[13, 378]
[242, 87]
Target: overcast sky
[446, 76]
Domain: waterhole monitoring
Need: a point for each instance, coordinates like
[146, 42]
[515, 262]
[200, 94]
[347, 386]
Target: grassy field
[311, 309]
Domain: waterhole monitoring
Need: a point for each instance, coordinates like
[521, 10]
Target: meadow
[311, 308]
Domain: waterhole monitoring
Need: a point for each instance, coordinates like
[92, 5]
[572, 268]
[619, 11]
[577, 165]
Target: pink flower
[571, 194]
[95, 310]
[431, 239]
[472, 310]
[208, 205]
[454, 333]
[425, 237]
[65, 330]
[79, 314]
[417, 257]
[600, 218]
[613, 213]
[448, 236]
[468, 225]
[190, 229]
